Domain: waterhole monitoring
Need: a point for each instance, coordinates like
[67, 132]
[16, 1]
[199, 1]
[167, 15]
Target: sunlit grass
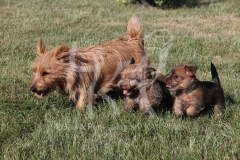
[51, 128]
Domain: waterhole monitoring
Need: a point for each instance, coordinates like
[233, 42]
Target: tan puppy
[192, 95]
[86, 73]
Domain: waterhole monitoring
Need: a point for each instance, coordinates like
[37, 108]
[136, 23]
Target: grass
[52, 129]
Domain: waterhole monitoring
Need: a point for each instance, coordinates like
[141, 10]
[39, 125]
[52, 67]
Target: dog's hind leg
[218, 111]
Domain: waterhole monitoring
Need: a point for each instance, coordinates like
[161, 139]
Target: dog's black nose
[120, 85]
[33, 89]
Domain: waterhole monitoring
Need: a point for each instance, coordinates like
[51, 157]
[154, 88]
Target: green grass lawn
[51, 128]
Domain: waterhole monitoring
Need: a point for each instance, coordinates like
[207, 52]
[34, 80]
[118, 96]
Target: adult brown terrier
[192, 95]
[86, 73]
[144, 90]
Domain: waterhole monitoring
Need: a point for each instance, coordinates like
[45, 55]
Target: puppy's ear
[149, 72]
[190, 70]
[62, 53]
[41, 48]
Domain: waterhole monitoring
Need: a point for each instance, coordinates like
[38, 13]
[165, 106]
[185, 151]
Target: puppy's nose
[33, 89]
[120, 84]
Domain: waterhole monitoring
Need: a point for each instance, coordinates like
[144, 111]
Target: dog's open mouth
[170, 88]
[40, 94]
[125, 92]
[129, 92]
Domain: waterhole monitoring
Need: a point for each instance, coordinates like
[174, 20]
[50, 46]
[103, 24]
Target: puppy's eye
[130, 78]
[45, 73]
[175, 76]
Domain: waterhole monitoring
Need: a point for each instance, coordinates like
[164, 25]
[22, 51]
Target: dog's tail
[214, 73]
[134, 28]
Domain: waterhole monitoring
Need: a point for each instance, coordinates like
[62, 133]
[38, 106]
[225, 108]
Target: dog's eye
[175, 76]
[130, 78]
[45, 73]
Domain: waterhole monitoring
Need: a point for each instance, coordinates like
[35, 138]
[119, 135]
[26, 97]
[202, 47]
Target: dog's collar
[189, 91]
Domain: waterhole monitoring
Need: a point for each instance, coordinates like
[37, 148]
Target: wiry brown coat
[144, 90]
[192, 95]
[83, 73]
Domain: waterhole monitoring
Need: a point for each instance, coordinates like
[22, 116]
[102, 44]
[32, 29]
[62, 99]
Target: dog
[194, 96]
[85, 74]
[145, 89]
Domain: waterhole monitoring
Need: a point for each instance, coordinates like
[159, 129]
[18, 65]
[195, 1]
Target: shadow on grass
[173, 4]
[229, 100]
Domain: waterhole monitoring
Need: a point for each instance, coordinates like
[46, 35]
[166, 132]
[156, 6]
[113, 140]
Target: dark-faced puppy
[192, 95]
[144, 90]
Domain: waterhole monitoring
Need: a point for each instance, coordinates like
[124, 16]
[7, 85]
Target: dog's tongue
[125, 91]
[168, 86]
[39, 95]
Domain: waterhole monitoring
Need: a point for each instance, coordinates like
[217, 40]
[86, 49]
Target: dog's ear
[41, 48]
[190, 70]
[149, 72]
[62, 53]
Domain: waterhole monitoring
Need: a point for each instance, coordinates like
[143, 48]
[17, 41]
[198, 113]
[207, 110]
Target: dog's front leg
[177, 107]
[130, 104]
[82, 101]
[146, 107]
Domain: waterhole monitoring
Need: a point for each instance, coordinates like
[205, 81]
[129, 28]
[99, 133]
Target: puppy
[192, 95]
[86, 73]
[144, 90]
